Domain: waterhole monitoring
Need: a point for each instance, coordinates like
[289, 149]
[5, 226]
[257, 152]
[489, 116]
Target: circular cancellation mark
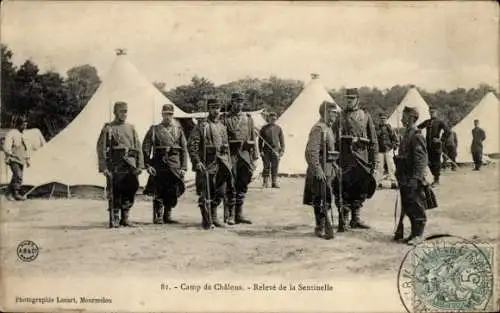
[27, 251]
[447, 274]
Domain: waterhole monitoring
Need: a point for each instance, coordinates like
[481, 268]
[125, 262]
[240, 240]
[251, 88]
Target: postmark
[447, 274]
[27, 251]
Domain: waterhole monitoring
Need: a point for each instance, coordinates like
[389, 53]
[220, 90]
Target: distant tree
[187, 97]
[82, 81]
[8, 73]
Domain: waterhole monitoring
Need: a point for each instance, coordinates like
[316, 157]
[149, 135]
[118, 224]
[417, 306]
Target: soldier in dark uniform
[121, 161]
[272, 148]
[435, 129]
[358, 148]
[321, 157]
[411, 163]
[478, 136]
[209, 150]
[165, 156]
[244, 152]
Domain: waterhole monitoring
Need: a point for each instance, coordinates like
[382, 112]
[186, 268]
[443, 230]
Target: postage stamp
[448, 274]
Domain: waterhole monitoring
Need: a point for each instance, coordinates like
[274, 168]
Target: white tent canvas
[412, 99]
[296, 123]
[70, 158]
[487, 112]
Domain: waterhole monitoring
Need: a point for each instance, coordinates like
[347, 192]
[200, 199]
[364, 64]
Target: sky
[434, 45]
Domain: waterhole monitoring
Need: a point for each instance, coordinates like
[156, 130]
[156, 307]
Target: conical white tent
[70, 158]
[296, 123]
[487, 112]
[412, 99]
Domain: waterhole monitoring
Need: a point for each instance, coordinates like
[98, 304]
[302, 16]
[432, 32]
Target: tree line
[53, 101]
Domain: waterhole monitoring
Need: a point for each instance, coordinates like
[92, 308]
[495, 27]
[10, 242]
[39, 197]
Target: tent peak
[120, 51]
[314, 76]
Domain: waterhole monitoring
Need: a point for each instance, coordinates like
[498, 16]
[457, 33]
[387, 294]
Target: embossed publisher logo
[27, 251]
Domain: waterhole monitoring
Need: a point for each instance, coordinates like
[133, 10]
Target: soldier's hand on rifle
[320, 175]
[106, 173]
[200, 167]
[151, 171]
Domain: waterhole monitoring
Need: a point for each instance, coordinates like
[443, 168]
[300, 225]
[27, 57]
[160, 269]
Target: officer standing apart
[209, 150]
[165, 156]
[387, 143]
[478, 136]
[271, 147]
[436, 128]
[450, 144]
[320, 157]
[243, 149]
[411, 163]
[121, 161]
[16, 150]
[358, 159]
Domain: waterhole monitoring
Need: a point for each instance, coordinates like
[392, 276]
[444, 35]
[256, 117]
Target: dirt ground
[74, 238]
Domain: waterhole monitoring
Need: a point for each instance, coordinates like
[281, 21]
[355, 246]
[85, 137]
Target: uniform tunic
[165, 149]
[119, 151]
[271, 145]
[434, 127]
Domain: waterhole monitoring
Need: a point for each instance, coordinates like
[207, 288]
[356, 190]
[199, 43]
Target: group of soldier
[345, 153]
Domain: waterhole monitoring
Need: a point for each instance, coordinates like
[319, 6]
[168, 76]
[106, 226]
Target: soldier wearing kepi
[209, 150]
[411, 163]
[358, 148]
[271, 147]
[436, 128]
[121, 161]
[321, 157]
[165, 156]
[243, 149]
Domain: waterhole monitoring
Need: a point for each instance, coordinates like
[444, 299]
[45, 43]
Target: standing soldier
[16, 150]
[411, 163]
[387, 142]
[271, 147]
[436, 128]
[320, 157]
[165, 156]
[243, 149]
[358, 157]
[121, 161]
[450, 144]
[209, 150]
[478, 136]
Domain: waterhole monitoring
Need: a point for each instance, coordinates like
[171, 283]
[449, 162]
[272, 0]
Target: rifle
[207, 201]
[109, 177]
[340, 179]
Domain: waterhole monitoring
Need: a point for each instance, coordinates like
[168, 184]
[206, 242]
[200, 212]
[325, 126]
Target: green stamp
[448, 275]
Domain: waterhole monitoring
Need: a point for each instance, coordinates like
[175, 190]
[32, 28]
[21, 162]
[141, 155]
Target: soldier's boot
[215, 220]
[413, 231]
[343, 220]
[239, 218]
[275, 182]
[329, 233]
[167, 216]
[356, 221]
[17, 196]
[125, 221]
[157, 212]
[399, 233]
[265, 181]
[435, 182]
[230, 215]
[9, 195]
[418, 235]
[115, 218]
[319, 230]
[206, 220]
[394, 185]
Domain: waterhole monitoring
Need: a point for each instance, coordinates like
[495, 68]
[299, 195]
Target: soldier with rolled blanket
[209, 150]
[411, 163]
[165, 156]
[271, 147]
[321, 157]
[358, 147]
[244, 152]
[121, 161]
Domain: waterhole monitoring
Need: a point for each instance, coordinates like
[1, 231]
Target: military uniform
[208, 144]
[434, 127]
[271, 147]
[165, 150]
[411, 162]
[243, 150]
[358, 154]
[478, 136]
[320, 157]
[119, 152]
[450, 144]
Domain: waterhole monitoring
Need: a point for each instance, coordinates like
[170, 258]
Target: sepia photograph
[249, 156]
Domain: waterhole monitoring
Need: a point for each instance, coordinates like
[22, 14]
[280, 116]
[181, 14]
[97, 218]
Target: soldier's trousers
[477, 157]
[435, 161]
[322, 199]
[17, 177]
[125, 186]
[413, 205]
[270, 162]
[242, 177]
[212, 193]
[167, 185]
[352, 197]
